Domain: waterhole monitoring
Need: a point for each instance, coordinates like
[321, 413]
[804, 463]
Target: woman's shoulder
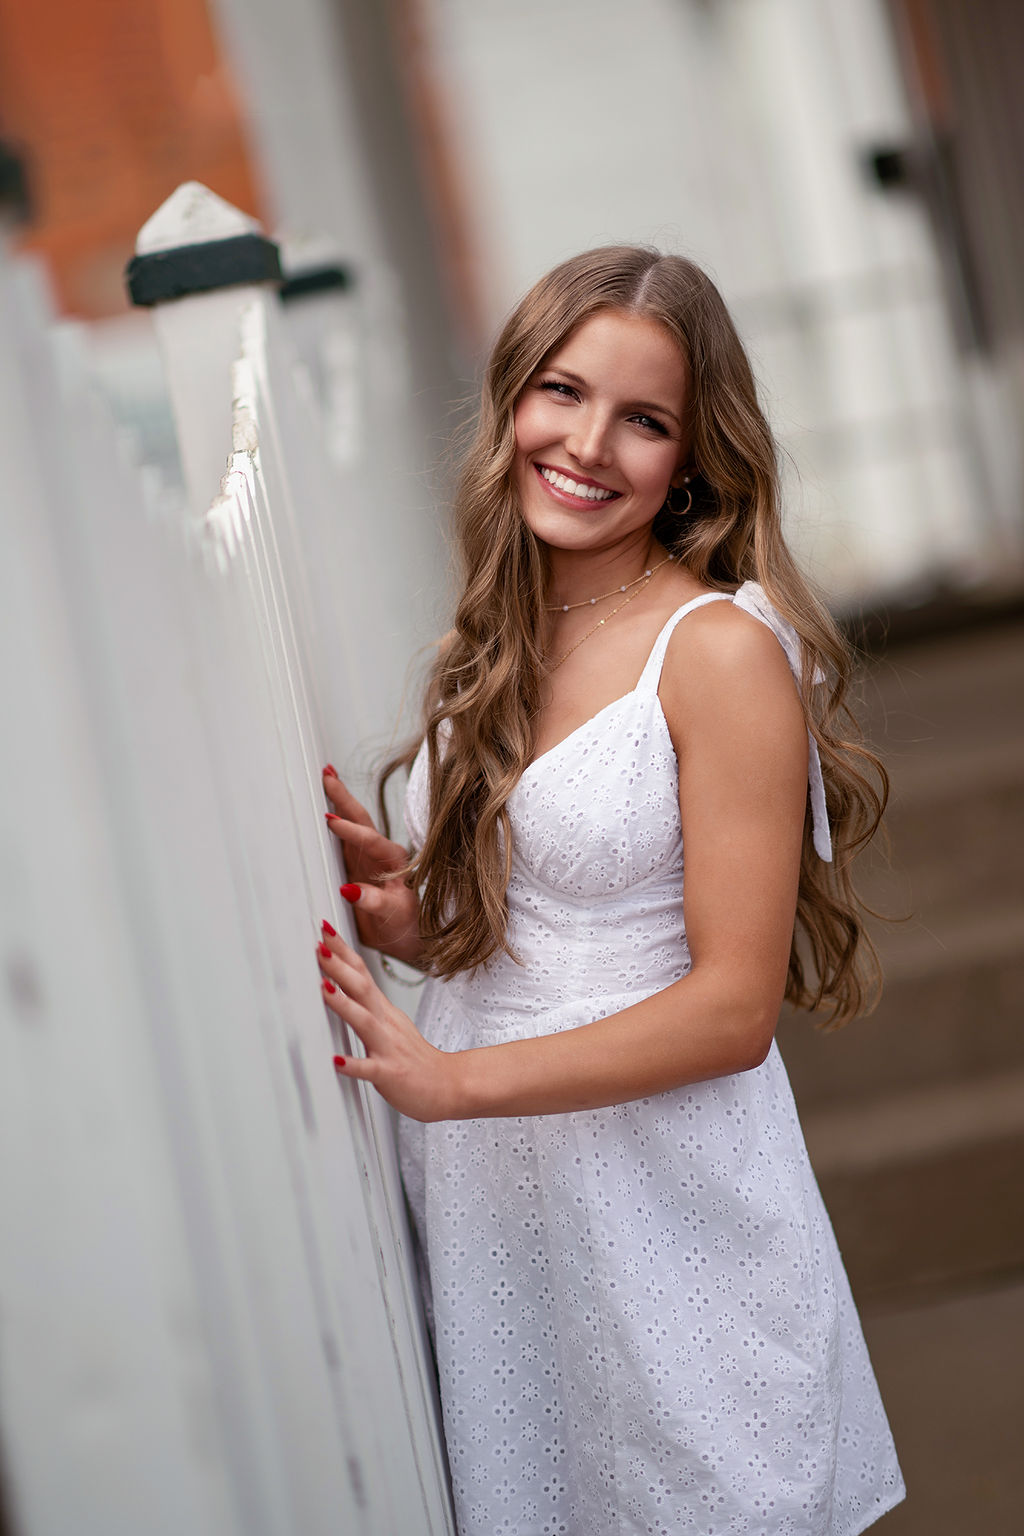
[724, 647]
[726, 623]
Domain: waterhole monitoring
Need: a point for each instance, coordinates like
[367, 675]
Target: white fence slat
[281, 934]
[278, 543]
[262, 333]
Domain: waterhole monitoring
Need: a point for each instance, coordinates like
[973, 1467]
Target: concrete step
[955, 829]
[949, 1369]
[952, 1009]
[947, 717]
[925, 1187]
[914, 1117]
[948, 692]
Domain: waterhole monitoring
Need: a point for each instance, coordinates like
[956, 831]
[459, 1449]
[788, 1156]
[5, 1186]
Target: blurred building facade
[111, 107]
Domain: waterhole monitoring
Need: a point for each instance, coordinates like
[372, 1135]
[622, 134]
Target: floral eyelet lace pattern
[642, 1321]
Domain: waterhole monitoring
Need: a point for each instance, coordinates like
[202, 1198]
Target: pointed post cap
[196, 242]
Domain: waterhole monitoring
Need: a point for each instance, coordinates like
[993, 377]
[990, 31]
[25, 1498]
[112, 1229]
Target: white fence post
[270, 545]
[197, 246]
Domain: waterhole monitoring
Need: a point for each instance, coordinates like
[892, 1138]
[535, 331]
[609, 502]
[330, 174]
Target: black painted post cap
[189, 269]
[333, 277]
[312, 265]
[197, 242]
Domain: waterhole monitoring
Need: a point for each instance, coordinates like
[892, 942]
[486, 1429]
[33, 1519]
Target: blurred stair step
[947, 692]
[925, 1186]
[952, 1008]
[956, 829]
[946, 716]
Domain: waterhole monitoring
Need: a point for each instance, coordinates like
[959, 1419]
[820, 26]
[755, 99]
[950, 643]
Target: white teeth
[584, 492]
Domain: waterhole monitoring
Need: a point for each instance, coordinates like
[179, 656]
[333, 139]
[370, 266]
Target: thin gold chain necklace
[588, 602]
[645, 581]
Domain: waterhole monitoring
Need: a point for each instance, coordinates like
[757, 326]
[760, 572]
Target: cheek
[532, 426]
[652, 470]
[521, 424]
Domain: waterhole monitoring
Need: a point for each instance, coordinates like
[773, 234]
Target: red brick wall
[112, 103]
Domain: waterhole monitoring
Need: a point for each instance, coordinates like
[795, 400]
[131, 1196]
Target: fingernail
[323, 950]
[351, 892]
[329, 816]
[339, 1062]
[328, 986]
[332, 932]
[330, 768]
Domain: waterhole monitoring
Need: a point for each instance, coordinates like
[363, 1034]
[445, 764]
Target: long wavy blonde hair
[485, 690]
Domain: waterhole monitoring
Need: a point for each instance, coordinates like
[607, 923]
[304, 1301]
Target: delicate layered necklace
[637, 587]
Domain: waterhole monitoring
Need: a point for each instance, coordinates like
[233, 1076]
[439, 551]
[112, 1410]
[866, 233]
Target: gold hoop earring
[671, 507]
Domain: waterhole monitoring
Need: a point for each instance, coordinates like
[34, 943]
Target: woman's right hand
[387, 912]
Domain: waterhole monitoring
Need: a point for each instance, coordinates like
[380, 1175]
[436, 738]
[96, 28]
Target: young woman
[641, 1316]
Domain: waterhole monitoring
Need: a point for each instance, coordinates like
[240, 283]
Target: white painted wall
[337, 165]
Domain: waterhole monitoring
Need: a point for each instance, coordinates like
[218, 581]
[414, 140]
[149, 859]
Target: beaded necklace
[640, 583]
[590, 601]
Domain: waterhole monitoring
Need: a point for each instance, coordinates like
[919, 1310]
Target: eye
[559, 389]
[651, 424]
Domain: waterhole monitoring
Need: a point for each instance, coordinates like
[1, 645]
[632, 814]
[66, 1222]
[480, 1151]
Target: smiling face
[601, 433]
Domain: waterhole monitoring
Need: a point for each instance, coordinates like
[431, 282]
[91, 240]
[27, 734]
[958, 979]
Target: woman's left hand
[414, 1077]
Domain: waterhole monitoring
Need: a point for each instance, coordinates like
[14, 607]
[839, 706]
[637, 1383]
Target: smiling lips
[578, 490]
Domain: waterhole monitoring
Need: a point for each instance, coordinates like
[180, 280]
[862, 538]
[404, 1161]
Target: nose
[589, 441]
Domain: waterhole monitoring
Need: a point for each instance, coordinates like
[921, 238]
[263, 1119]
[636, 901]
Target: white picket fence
[208, 1315]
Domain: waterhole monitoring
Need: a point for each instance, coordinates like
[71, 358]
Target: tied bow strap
[752, 599]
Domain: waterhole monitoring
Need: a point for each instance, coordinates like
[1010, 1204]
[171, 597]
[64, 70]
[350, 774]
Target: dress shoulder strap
[650, 677]
[752, 598]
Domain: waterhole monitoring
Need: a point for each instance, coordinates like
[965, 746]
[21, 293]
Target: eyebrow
[634, 405]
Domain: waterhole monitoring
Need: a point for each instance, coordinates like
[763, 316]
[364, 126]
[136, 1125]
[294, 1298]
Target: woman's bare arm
[741, 741]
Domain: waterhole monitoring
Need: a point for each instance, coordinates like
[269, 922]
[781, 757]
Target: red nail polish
[323, 950]
[330, 768]
[351, 892]
[329, 816]
[331, 932]
[328, 986]
[339, 1062]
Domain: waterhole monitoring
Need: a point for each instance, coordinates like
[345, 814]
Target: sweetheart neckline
[638, 688]
[592, 720]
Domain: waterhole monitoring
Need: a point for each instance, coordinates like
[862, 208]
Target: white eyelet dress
[642, 1320]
